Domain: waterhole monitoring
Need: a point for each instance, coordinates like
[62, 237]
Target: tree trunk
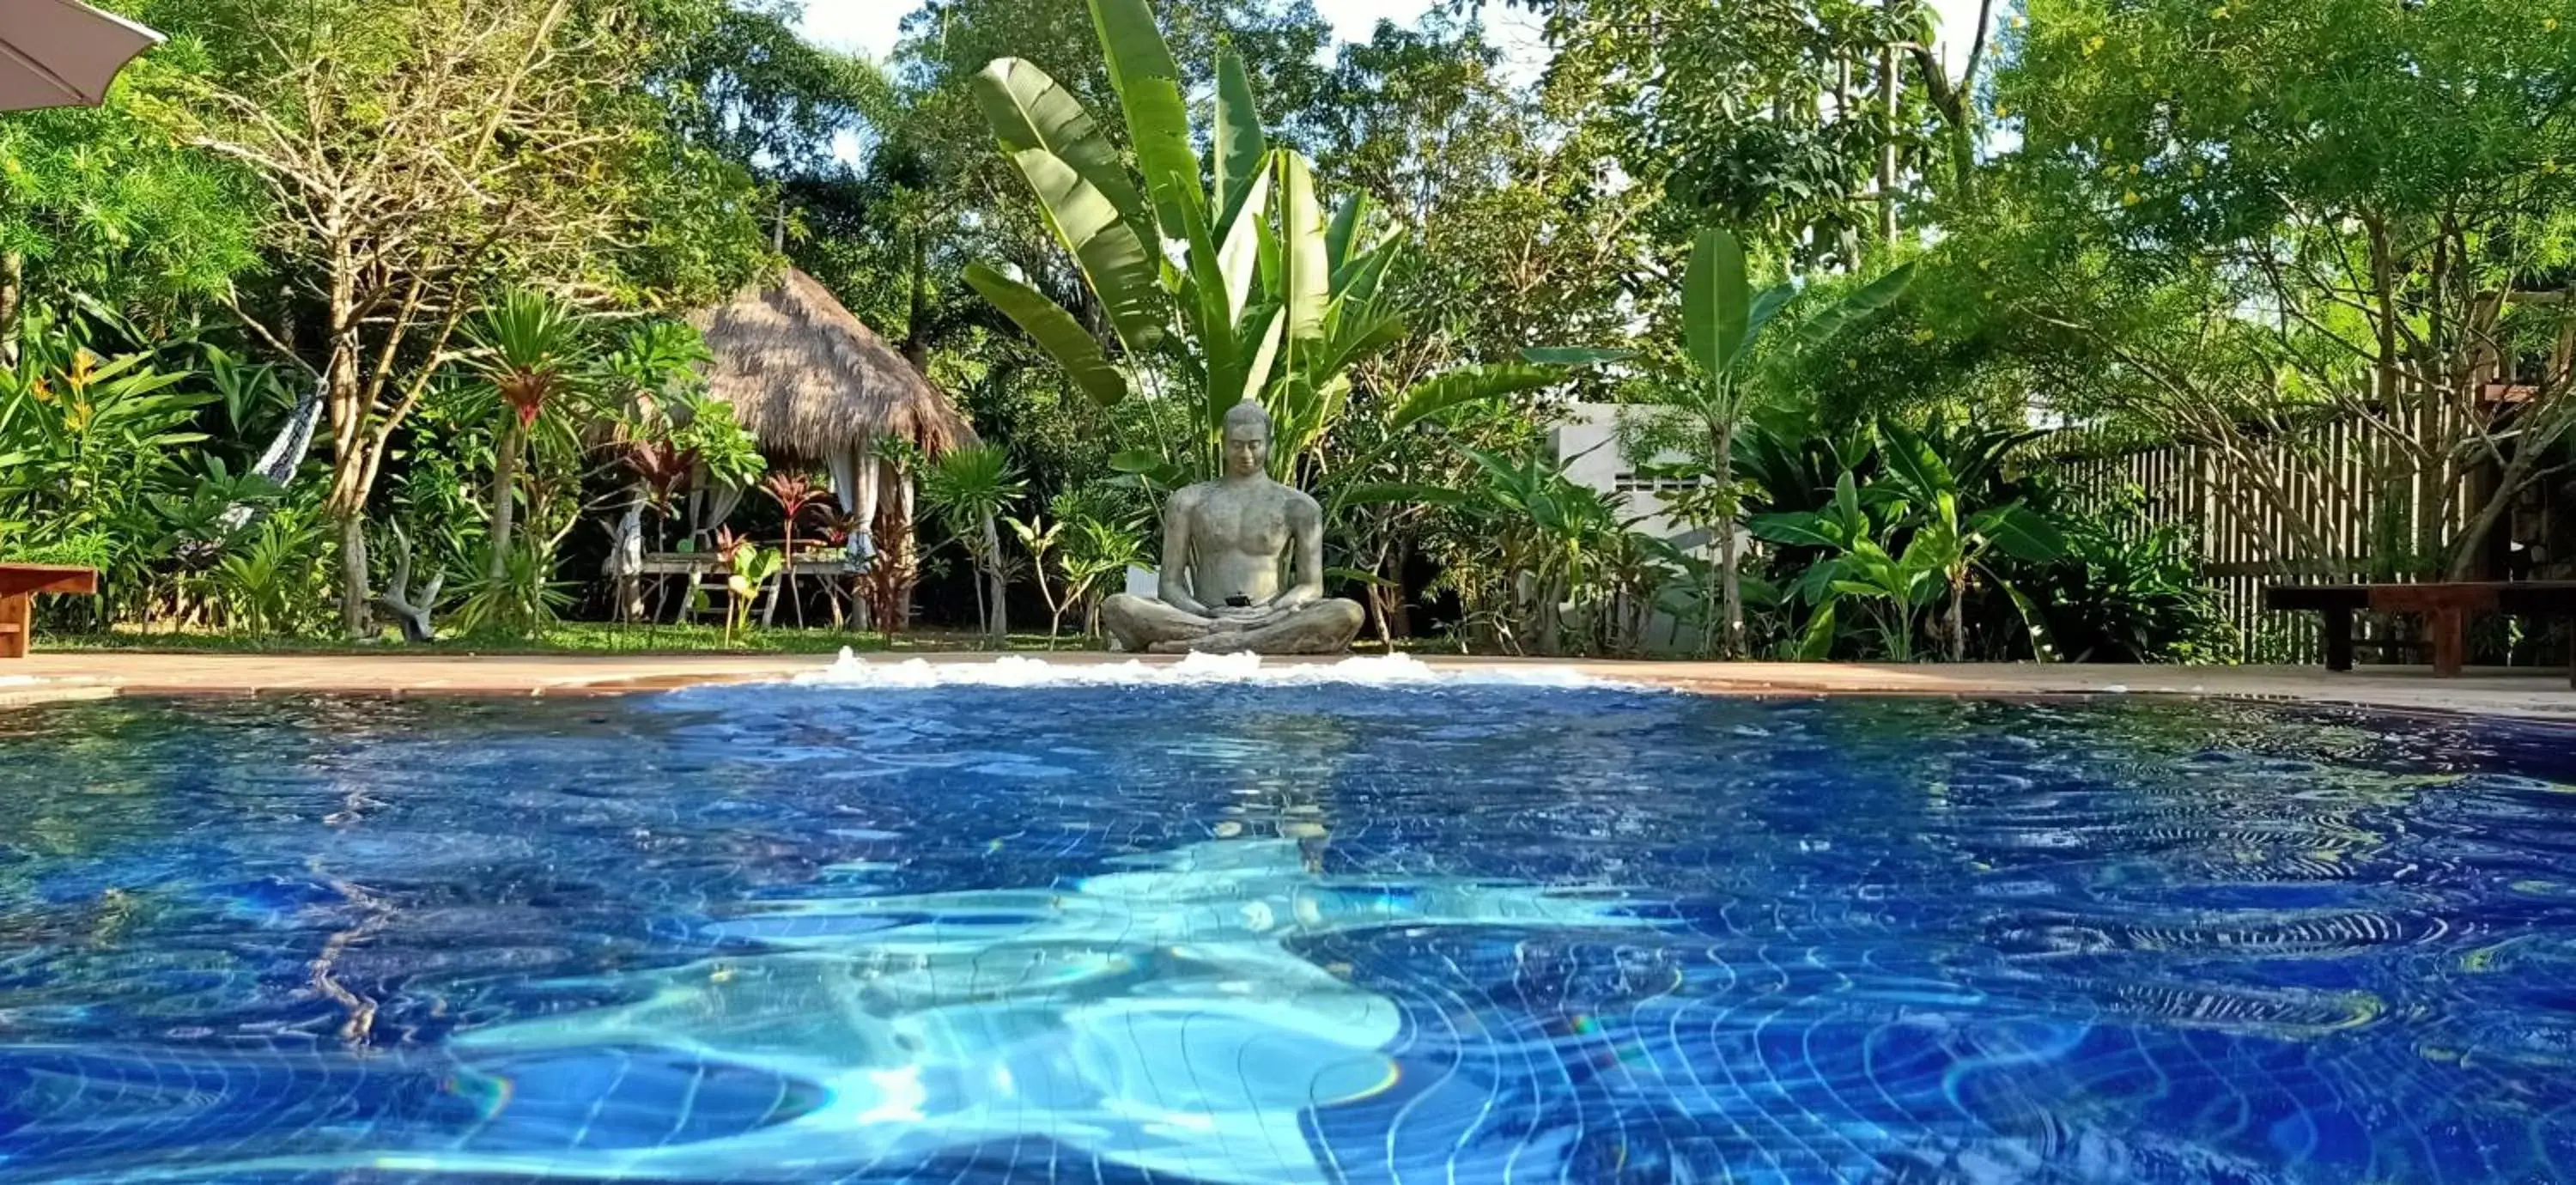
[13, 285]
[1000, 625]
[354, 614]
[347, 407]
[916, 330]
[505, 499]
[1888, 83]
[1382, 597]
[904, 511]
[1730, 588]
[1958, 625]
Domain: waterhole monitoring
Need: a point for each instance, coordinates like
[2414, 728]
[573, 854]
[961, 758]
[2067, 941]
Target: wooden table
[707, 569]
[19, 584]
[2445, 607]
[702, 563]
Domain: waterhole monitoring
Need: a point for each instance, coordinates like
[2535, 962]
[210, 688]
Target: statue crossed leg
[1143, 626]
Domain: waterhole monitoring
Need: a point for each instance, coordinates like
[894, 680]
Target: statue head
[1247, 440]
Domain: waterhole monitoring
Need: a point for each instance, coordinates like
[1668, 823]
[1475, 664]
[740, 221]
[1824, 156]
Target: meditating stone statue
[1222, 545]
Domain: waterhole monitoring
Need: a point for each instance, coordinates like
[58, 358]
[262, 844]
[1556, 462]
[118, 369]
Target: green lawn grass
[569, 638]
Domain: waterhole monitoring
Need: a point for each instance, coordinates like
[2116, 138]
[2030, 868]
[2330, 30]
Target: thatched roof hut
[812, 383]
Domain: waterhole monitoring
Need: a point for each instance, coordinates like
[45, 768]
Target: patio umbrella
[62, 53]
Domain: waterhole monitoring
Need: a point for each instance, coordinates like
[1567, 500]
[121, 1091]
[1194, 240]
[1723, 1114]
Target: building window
[1634, 483]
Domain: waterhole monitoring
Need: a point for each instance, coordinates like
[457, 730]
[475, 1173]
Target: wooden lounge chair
[2446, 609]
[19, 584]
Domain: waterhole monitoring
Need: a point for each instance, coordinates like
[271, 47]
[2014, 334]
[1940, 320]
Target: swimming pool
[1282, 934]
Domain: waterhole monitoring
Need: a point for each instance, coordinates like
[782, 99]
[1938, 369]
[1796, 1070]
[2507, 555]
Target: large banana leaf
[1469, 385]
[1241, 150]
[1915, 464]
[1125, 277]
[1260, 361]
[1798, 528]
[1765, 306]
[1356, 281]
[1239, 256]
[1716, 305]
[1149, 87]
[1203, 300]
[1027, 109]
[1063, 338]
[1859, 306]
[1306, 264]
[1347, 221]
[2021, 532]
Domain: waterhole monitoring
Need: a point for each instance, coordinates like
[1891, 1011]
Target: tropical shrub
[2125, 592]
[968, 489]
[1914, 537]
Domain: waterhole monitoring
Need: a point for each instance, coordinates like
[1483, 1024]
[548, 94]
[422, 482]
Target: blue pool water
[1282, 934]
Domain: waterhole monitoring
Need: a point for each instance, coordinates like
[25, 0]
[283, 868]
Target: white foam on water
[1193, 670]
[31, 680]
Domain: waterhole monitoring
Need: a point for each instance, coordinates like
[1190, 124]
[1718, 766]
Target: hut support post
[626, 558]
[855, 483]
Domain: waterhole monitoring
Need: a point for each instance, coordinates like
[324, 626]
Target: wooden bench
[19, 584]
[2446, 609]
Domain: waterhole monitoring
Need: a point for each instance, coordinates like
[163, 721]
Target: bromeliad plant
[1266, 298]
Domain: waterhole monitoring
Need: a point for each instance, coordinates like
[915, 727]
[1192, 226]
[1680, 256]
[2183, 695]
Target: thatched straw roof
[807, 379]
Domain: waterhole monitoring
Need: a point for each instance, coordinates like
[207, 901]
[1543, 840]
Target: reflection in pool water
[1281, 934]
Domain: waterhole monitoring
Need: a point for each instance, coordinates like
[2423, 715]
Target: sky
[869, 25]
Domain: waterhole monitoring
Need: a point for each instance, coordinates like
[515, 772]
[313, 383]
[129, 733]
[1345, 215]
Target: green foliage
[99, 205]
[969, 488]
[740, 79]
[89, 448]
[2368, 176]
[1913, 519]
[1756, 113]
[1561, 568]
[517, 596]
[2128, 593]
[270, 583]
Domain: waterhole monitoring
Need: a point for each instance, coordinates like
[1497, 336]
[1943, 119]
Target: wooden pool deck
[2534, 693]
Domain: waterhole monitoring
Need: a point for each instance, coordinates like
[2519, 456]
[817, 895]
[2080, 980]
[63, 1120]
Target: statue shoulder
[1186, 498]
[1302, 506]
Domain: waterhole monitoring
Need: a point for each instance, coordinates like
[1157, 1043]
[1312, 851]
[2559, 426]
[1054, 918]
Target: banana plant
[1727, 327]
[1268, 297]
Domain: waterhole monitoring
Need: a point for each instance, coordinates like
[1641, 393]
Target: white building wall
[1586, 443]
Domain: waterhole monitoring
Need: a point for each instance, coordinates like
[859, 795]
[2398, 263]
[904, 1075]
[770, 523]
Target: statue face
[1247, 449]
